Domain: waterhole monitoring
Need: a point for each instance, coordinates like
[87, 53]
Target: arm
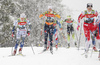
[14, 25]
[79, 18]
[96, 14]
[74, 22]
[29, 27]
[41, 15]
[58, 24]
[56, 15]
[13, 30]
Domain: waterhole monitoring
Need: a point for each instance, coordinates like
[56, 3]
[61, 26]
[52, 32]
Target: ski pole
[79, 37]
[42, 26]
[91, 52]
[31, 46]
[12, 42]
[92, 39]
[41, 31]
[64, 38]
[12, 47]
[76, 35]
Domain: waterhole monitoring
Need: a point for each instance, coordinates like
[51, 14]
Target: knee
[23, 39]
[17, 41]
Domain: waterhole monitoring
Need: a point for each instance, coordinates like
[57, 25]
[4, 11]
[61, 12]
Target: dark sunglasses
[89, 6]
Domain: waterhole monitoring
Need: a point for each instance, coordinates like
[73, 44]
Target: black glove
[28, 32]
[95, 33]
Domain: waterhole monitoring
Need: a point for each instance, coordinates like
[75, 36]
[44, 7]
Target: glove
[95, 33]
[13, 33]
[78, 27]
[28, 32]
[60, 28]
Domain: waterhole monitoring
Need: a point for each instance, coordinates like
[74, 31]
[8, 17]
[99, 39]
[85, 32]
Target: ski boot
[51, 49]
[86, 54]
[56, 47]
[68, 45]
[20, 51]
[94, 48]
[14, 53]
[47, 47]
[75, 44]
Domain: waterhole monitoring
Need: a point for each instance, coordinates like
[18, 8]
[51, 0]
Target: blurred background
[11, 9]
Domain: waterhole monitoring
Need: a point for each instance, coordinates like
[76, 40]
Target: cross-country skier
[97, 32]
[55, 33]
[48, 27]
[70, 30]
[89, 17]
[21, 25]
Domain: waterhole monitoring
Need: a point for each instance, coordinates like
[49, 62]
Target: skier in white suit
[21, 25]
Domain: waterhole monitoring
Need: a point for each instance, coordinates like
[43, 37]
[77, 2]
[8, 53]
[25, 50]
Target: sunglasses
[89, 6]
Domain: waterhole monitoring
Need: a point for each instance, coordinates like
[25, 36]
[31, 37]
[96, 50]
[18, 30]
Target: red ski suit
[88, 22]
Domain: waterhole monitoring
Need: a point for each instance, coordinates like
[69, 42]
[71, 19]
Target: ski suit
[70, 29]
[21, 31]
[89, 18]
[48, 27]
[55, 32]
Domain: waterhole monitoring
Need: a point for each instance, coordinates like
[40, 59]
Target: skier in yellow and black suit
[70, 30]
[48, 27]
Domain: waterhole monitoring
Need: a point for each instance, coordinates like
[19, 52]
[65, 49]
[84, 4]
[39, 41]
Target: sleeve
[81, 16]
[41, 15]
[64, 20]
[14, 25]
[58, 24]
[61, 21]
[98, 19]
[74, 21]
[96, 14]
[56, 15]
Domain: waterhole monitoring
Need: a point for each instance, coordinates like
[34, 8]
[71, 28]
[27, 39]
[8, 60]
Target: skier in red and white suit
[97, 33]
[89, 17]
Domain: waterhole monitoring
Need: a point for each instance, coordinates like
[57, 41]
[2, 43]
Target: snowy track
[62, 56]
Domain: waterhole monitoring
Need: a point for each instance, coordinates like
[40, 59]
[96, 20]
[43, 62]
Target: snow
[62, 56]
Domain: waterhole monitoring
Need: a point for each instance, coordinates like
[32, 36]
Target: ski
[45, 51]
[95, 51]
[82, 53]
[9, 56]
[20, 55]
[51, 52]
[41, 52]
[15, 55]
